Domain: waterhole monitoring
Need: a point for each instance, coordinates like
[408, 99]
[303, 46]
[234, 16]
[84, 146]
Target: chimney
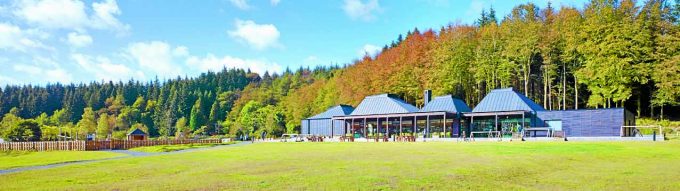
[428, 97]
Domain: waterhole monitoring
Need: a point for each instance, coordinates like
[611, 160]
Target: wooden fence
[125, 144]
[94, 145]
[44, 146]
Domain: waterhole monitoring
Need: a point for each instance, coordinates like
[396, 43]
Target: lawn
[16, 159]
[170, 148]
[378, 166]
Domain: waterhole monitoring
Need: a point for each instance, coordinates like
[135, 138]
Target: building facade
[323, 124]
[502, 112]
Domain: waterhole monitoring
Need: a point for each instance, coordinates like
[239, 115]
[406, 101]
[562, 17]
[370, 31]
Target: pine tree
[214, 115]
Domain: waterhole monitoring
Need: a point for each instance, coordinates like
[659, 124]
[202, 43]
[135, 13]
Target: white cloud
[181, 51]
[241, 4]
[13, 37]
[157, 56]
[274, 2]
[56, 74]
[5, 80]
[71, 15]
[213, 63]
[105, 17]
[356, 9]
[28, 69]
[369, 49]
[79, 40]
[258, 36]
[53, 13]
[104, 69]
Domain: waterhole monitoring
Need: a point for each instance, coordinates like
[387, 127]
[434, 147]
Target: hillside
[608, 55]
[611, 54]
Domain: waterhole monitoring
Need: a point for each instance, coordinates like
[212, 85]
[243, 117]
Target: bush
[669, 127]
[120, 135]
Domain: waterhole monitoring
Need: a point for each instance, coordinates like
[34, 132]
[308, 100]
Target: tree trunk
[564, 86]
[545, 88]
[575, 93]
[527, 71]
[639, 105]
[550, 103]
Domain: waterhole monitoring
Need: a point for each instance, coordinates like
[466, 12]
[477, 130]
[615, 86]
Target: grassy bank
[16, 159]
[170, 148]
[376, 166]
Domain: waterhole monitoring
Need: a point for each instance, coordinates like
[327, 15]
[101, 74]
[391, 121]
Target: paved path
[130, 154]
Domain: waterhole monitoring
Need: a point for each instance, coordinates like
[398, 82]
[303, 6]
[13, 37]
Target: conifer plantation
[609, 54]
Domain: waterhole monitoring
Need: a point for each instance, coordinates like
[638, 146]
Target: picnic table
[378, 138]
[490, 134]
[406, 138]
[537, 129]
[347, 138]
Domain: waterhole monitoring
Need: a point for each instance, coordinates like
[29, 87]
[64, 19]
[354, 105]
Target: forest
[608, 54]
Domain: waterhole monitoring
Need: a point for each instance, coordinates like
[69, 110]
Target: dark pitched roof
[339, 110]
[383, 104]
[506, 100]
[136, 132]
[446, 103]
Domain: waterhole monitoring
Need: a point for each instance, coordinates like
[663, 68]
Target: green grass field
[16, 159]
[378, 166]
[170, 148]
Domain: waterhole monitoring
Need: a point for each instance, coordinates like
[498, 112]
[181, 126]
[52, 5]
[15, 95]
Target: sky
[74, 41]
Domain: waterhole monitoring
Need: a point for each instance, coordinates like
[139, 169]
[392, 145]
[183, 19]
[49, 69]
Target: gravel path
[130, 154]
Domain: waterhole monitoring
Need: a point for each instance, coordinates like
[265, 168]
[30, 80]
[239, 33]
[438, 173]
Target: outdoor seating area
[489, 134]
[406, 139]
[315, 139]
[346, 138]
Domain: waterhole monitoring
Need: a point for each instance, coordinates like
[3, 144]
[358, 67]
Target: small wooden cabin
[137, 135]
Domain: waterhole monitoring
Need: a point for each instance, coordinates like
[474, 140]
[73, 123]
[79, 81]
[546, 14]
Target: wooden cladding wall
[94, 145]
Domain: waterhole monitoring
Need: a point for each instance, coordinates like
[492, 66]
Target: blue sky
[76, 41]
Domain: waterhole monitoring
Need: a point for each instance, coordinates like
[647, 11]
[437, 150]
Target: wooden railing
[94, 145]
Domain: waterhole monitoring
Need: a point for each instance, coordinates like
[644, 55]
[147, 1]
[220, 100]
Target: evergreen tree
[197, 118]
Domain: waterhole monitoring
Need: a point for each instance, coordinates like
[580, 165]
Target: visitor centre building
[501, 113]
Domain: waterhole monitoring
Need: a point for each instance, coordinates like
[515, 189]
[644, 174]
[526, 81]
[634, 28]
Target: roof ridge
[503, 89]
[504, 99]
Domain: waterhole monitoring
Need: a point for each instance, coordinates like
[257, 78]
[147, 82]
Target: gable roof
[136, 132]
[338, 110]
[446, 103]
[383, 104]
[506, 100]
